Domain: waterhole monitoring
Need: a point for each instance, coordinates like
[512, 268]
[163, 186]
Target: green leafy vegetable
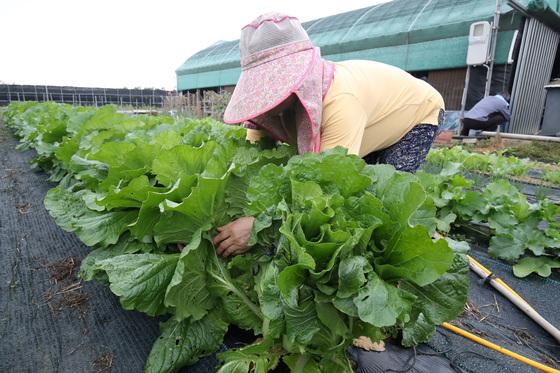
[339, 248]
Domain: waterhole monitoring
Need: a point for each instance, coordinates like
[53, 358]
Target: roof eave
[540, 10]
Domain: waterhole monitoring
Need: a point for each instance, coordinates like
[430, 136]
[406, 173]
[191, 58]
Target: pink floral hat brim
[266, 82]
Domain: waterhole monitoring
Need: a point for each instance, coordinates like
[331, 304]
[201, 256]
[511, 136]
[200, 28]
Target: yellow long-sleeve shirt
[371, 106]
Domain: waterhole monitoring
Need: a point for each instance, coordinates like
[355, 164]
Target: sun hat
[278, 59]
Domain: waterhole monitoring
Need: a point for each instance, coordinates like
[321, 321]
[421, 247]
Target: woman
[288, 92]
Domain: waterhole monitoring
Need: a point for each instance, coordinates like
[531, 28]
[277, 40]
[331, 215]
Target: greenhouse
[428, 39]
[413, 35]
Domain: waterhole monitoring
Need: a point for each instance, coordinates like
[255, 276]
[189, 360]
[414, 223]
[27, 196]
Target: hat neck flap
[309, 111]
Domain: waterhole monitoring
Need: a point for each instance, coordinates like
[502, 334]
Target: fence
[83, 95]
[198, 104]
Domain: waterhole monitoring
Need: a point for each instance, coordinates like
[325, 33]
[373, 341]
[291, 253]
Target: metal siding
[536, 59]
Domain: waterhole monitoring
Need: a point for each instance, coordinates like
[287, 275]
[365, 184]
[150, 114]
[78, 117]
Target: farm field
[132, 188]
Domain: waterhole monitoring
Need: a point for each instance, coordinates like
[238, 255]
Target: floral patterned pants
[409, 153]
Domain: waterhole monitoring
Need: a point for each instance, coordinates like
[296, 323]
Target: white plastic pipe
[522, 137]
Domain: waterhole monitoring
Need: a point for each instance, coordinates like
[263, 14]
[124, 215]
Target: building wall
[450, 84]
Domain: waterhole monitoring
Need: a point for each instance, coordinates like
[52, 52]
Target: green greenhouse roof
[411, 34]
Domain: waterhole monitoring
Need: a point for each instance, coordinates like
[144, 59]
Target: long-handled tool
[515, 298]
[505, 351]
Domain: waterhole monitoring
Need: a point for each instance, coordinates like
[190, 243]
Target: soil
[103, 363]
[547, 152]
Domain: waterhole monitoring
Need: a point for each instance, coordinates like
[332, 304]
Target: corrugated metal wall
[534, 67]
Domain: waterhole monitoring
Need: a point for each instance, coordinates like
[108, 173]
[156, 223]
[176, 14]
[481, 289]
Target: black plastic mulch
[494, 318]
[55, 324]
[52, 322]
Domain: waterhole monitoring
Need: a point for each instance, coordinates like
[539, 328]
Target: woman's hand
[233, 238]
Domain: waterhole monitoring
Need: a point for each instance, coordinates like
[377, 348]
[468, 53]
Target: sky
[122, 43]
